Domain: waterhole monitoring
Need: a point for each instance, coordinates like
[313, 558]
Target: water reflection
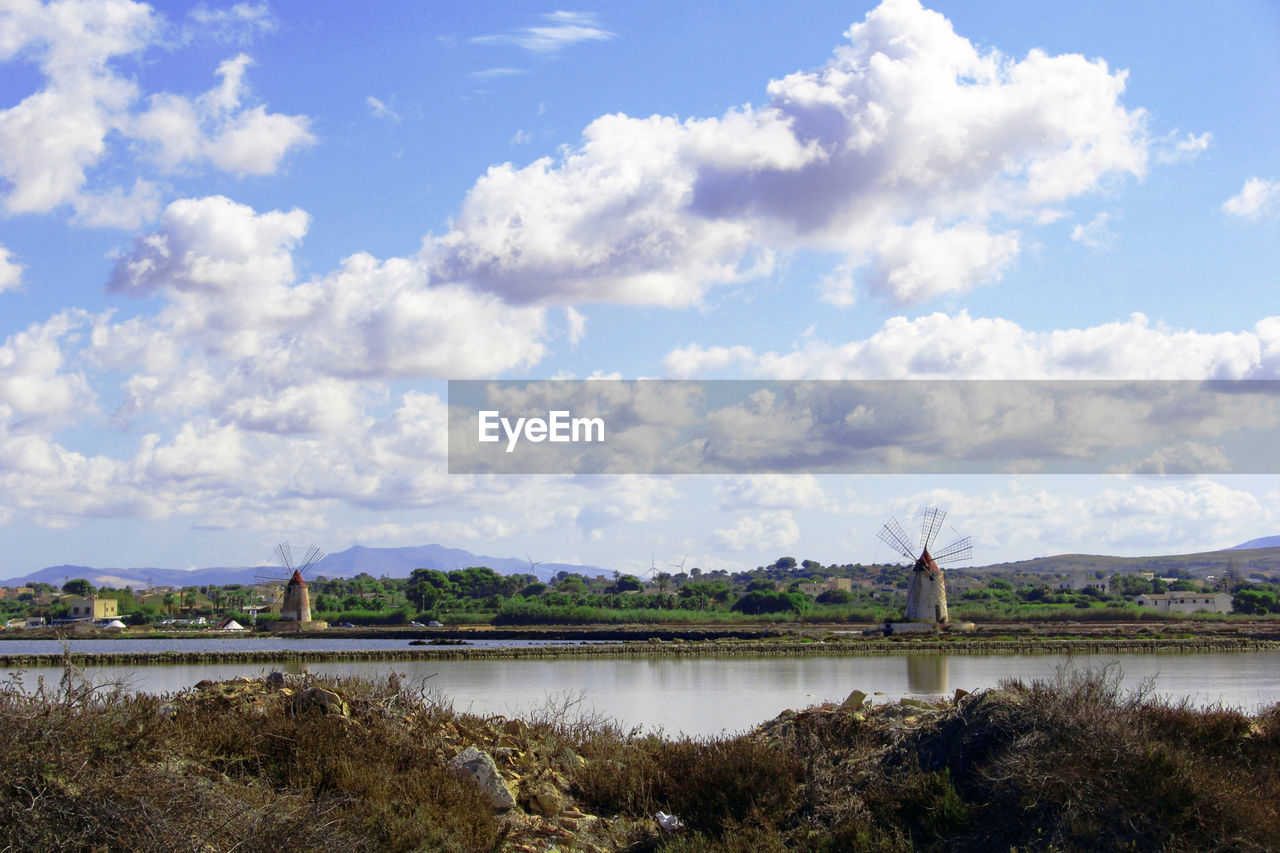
[707, 696]
[927, 674]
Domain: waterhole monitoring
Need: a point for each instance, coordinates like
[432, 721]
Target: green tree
[628, 583]
[477, 582]
[574, 584]
[760, 601]
[79, 586]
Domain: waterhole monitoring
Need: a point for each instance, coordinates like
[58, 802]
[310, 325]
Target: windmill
[297, 603]
[927, 594]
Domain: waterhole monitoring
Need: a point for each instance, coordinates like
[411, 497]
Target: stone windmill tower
[297, 601]
[927, 594]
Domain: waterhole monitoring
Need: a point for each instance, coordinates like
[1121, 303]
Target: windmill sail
[895, 537]
[296, 606]
[956, 552]
[933, 518]
[927, 592]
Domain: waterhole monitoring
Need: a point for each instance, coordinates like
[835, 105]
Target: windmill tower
[297, 601]
[927, 594]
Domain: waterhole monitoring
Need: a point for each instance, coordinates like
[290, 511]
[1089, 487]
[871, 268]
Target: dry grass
[1065, 764]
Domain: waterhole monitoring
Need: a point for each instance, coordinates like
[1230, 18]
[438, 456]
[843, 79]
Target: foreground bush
[1071, 763]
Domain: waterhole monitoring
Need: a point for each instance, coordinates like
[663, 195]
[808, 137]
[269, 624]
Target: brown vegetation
[290, 763]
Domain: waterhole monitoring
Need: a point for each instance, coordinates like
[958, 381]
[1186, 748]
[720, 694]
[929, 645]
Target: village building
[91, 607]
[1186, 602]
[813, 589]
[1082, 582]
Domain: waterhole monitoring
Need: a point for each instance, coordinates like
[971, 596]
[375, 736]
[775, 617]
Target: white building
[1186, 602]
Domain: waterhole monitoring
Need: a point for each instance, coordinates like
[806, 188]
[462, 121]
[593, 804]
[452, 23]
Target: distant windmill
[533, 566]
[927, 594]
[297, 602]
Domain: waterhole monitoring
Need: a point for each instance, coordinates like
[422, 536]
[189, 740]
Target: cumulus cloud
[1258, 199]
[241, 338]
[764, 532]
[911, 154]
[218, 128]
[1185, 457]
[88, 112]
[10, 271]
[771, 491]
[39, 389]
[958, 346]
[1119, 517]
[559, 30]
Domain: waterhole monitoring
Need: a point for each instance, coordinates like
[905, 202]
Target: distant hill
[1264, 560]
[379, 562]
[1264, 542]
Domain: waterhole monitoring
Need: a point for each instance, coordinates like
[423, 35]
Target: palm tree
[169, 600]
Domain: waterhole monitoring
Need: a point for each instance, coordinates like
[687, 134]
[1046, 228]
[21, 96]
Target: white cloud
[911, 154]
[217, 128]
[494, 73]
[213, 244]
[919, 262]
[561, 30]
[1185, 150]
[36, 391]
[238, 24]
[959, 346]
[87, 113]
[50, 138]
[1120, 517]
[240, 338]
[771, 491]
[1096, 234]
[577, 325]
[1258, 199]
[10, 271]
[763, 533]
[381, 110]
[694, 362]
[117, 208]
[1185, 457]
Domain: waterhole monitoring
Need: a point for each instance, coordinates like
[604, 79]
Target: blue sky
[243, 246]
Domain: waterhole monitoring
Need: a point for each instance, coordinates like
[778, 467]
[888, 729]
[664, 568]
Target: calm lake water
[704, 696]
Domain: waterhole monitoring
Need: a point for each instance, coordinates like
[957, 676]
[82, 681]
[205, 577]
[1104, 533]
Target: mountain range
[378, 562]
[1256, 555]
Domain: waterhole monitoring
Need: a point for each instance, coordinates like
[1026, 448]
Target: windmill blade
[284, 556]
[314, 555]
[957, 551]
[933, 518]
[268, 573]
[895, 537]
